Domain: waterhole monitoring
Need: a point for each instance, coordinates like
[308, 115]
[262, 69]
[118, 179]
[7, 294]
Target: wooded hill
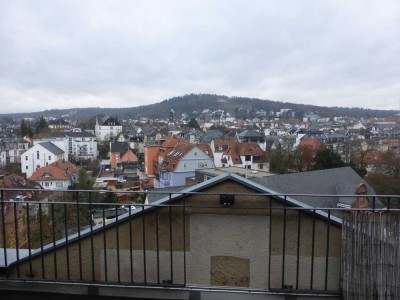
[199, 102]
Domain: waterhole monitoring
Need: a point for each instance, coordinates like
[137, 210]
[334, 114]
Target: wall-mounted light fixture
[226, 199]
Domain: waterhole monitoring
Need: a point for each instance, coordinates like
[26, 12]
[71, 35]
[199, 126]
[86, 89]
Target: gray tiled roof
[79, 134]
[250, 133]
[211, 135]
[119, 147]
[336, 182]
[157, 194]
[51, 147]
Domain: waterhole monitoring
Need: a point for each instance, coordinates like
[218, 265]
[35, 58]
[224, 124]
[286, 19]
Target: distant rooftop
[236, 170]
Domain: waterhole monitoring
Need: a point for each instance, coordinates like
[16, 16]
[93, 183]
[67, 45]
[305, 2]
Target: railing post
[16, 238]
[3, 218]
[284, 245]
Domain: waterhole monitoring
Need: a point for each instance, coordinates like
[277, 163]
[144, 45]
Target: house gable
[207, 233]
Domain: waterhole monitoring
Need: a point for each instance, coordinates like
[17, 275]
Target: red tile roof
[58, 170]
[313, 144]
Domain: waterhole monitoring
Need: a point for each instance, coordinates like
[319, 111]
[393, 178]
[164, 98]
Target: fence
[371, 255]
[243, 241]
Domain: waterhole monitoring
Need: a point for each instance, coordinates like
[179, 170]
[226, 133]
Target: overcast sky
[65, 54]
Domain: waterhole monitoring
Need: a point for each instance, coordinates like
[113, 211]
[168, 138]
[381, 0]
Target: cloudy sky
[64, 54]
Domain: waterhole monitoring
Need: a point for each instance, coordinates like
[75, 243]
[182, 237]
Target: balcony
[194, 243]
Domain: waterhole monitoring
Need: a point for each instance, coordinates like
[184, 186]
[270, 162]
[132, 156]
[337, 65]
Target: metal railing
[271, 242]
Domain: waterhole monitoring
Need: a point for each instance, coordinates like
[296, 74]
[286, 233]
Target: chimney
[362, 200]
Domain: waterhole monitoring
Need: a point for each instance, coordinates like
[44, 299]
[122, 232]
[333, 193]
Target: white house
[57, 138]
[245, 155]
[58, 175]
[40, 155]
[108, 128]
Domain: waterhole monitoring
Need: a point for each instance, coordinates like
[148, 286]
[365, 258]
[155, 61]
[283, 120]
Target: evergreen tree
[84, 181]
[327, 159]
[193, 123]
[41, 124]
[23, 128]
[171, 115]
[29, 131]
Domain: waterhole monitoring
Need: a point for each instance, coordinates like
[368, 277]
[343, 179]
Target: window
[37, 155]
[26, 157]
[49, 157]
[26, 168]
[46, 184]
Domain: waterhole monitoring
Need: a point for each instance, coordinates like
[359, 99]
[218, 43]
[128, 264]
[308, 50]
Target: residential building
[19, 188]
[247, 155]
[82, 144]
[3, 154]
[219, 146]
[181, 163]
[59, 175]
[11, 150]
[151, 159]
[107, 129]
[121, 153]
[59, 125]
[57, 138]
[40, 155]
[250, 135]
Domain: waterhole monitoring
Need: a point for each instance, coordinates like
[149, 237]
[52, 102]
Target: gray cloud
[61, 54]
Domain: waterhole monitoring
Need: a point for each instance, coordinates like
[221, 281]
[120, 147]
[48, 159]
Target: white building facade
[107, 129]
[82, 144]
[40, 155]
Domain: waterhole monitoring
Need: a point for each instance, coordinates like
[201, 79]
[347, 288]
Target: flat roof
[236, 170]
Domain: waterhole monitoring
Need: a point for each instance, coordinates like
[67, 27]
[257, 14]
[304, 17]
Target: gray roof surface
[336, 182]
[110, 121]
[120, 147]
[211, 135]
[157, 194]
[237, 170]
[80, 134]
[51, 147]
[250, 133]
[56, 135]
